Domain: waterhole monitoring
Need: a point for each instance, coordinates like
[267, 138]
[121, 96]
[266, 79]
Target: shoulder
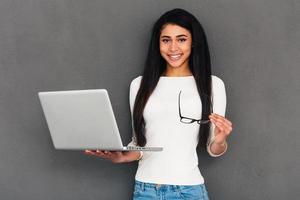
[135, 83]
[217, 82]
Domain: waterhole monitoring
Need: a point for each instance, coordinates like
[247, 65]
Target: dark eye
[182, 40]
[165, 40]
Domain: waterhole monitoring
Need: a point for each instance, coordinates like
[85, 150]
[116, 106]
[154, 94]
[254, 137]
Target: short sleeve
[133, 89]
[219, 107]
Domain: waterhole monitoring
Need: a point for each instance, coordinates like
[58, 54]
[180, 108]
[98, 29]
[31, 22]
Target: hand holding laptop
[115, 156]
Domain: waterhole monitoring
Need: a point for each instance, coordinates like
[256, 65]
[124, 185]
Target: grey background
[68, 44]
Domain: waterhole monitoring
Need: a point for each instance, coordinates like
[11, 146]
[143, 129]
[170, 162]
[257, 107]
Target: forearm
[130, 156]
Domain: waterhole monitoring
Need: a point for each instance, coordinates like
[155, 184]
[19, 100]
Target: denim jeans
[151, 191]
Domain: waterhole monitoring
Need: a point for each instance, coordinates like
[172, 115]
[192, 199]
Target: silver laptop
[83, 119]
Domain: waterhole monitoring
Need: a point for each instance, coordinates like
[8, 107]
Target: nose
[173, 46]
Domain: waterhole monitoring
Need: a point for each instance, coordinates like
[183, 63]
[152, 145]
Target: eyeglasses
[188, 120]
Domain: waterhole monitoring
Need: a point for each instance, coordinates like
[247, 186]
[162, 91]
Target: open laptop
[83, 119]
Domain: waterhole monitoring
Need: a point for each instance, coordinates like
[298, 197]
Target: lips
[174, 57]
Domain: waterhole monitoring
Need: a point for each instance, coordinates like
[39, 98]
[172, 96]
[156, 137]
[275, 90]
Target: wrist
[220, 141]
[217, 148]
[140, 156]
[221, 145]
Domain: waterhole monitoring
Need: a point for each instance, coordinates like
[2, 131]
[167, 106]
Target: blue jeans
[151, 191]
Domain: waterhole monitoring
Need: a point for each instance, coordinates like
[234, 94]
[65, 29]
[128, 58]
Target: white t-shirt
[177, 164]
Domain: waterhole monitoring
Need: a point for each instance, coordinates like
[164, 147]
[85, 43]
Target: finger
[93, 153]
[213, 119]
[105, 154]
[101, 153]
[220, 126]
[227, 121]
[221, 119]
[88, 152]
[96, 153]
[223, 126]
[225, 129]
[215, 115]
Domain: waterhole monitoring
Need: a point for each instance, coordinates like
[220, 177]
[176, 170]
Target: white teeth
[175, 57]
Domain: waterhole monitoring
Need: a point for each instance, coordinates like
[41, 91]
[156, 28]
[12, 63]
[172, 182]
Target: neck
[171, 71]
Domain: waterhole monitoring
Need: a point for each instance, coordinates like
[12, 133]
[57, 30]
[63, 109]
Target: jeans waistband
[143, 185]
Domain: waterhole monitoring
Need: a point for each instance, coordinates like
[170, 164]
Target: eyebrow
[165, 36]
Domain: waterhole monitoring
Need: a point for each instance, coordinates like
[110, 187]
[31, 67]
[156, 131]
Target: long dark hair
[200, 66]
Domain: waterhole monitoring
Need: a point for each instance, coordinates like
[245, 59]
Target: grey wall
[65, 44]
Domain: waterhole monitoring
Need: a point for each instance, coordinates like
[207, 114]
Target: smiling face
[175, 45]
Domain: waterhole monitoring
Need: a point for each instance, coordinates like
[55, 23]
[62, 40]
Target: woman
[176, 104]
